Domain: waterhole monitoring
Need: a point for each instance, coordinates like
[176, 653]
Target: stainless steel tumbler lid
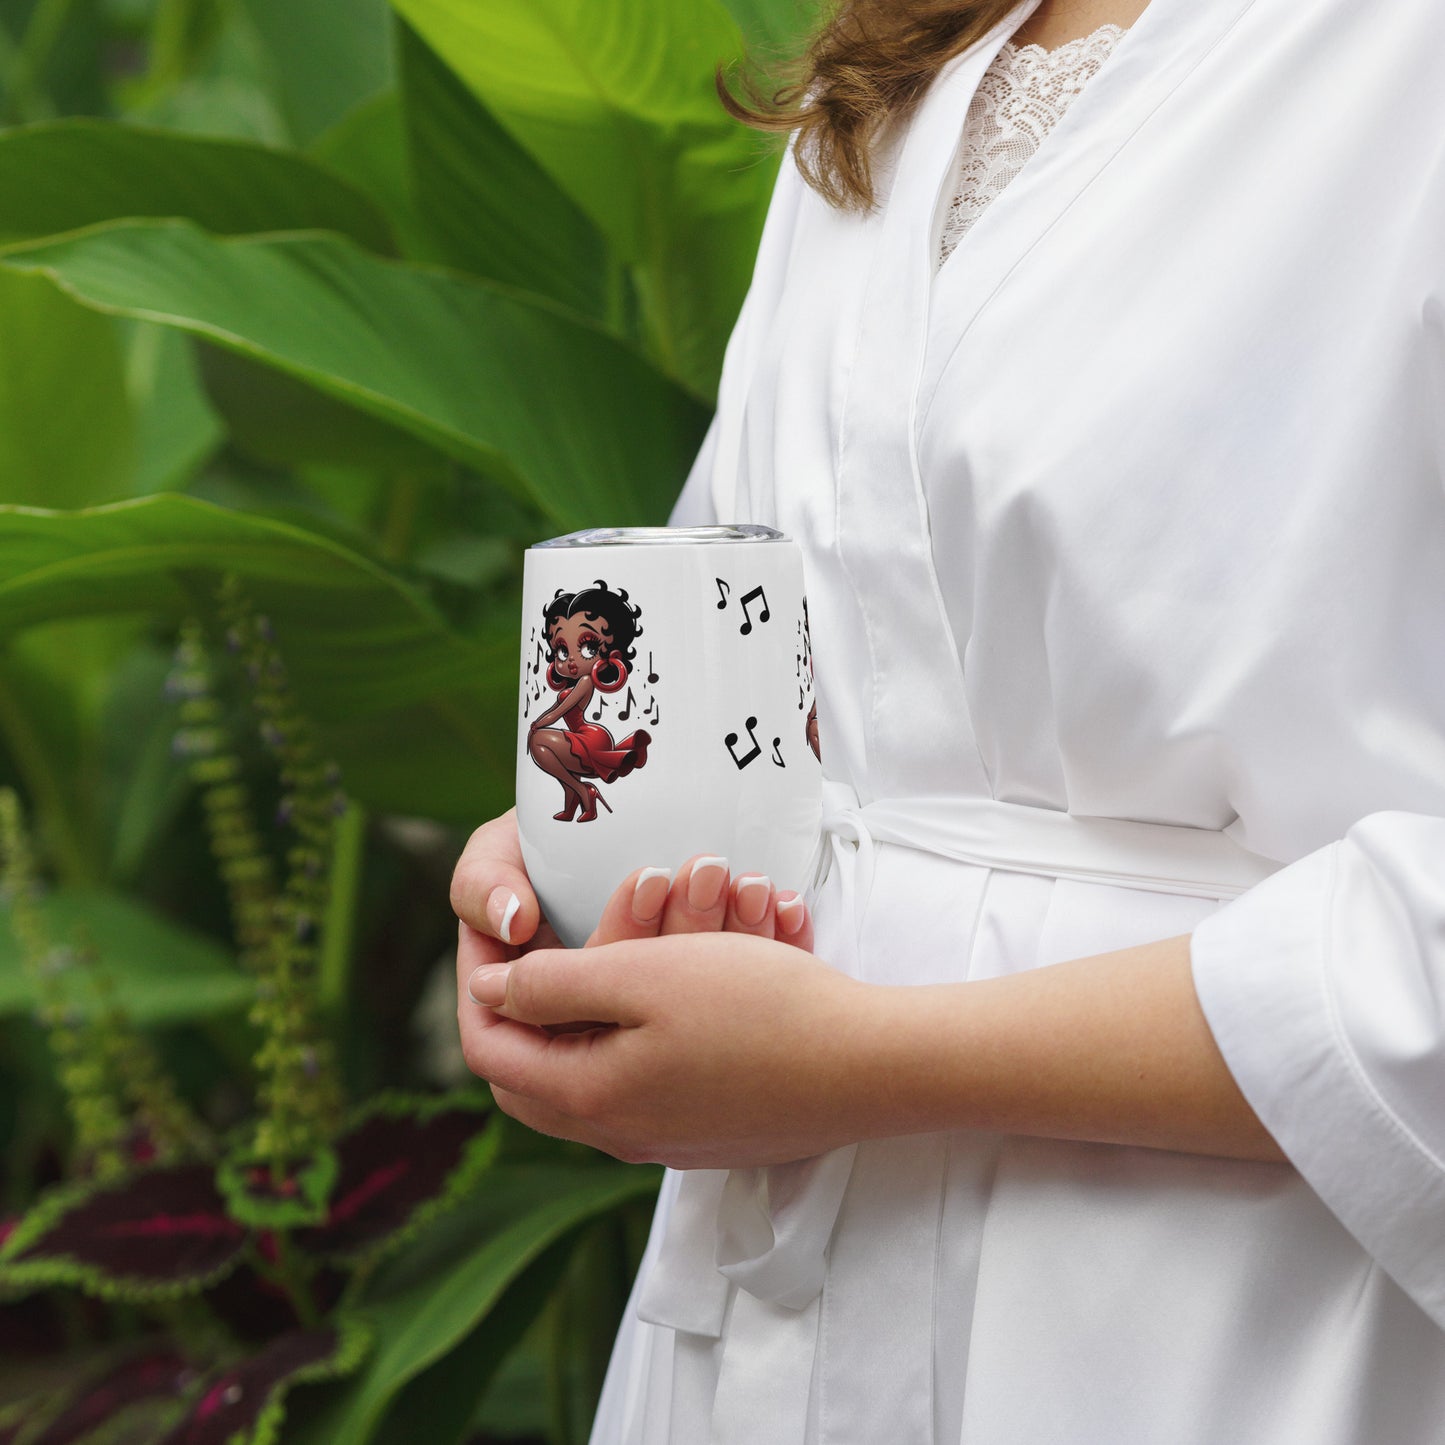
[651, 536]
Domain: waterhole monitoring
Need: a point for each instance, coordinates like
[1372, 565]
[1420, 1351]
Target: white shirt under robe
[1124, 534]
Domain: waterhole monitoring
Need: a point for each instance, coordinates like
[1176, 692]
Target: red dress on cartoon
[600, 756]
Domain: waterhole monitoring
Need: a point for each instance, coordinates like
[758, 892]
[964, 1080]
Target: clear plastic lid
[664, 536]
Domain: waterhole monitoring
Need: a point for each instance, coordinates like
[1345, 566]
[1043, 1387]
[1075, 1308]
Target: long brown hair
[866, 67]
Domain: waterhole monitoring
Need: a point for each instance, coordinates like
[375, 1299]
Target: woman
[589, 646]
[1116, 1117]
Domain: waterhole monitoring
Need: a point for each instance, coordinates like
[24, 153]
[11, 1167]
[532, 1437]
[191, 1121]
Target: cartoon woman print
[589, 639]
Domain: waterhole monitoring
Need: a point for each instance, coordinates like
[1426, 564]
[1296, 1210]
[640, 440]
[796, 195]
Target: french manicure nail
[790, 912]
[706, 882]
[488, 984]
[502, 908]
[649, 893]
[753, 895]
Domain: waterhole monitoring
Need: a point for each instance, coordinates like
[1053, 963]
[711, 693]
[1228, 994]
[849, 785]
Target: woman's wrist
[1113, 1048]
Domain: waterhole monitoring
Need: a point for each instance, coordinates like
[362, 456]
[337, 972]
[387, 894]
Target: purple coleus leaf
[402, 1159]
[156, 1233]
[160, 1373]
[242, 1404]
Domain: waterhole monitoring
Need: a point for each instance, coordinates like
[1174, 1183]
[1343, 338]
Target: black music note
[778, 753]
[651, 675]
[601, 703]
[537, 664]
[800, 697]
[722, 590]
[732, 738]
[627, 711]
[656, 711]
[763, 616]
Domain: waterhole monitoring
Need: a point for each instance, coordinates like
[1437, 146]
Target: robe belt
[767, 1230]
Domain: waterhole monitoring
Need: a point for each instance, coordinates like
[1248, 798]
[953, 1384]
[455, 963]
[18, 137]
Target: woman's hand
[501, 919]
[713, 1050]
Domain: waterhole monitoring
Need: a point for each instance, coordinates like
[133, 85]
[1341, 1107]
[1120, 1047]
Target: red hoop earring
[615, 658]
[556, 682]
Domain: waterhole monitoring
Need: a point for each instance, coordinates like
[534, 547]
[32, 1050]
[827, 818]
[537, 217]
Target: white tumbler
[666, 709]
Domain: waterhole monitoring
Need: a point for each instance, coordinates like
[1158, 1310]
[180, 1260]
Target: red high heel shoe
[565, 816]
[593, 798]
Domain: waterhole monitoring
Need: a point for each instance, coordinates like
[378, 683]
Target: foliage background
[351, 302]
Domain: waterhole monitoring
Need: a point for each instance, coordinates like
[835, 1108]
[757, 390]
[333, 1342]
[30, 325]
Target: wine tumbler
[666, 709]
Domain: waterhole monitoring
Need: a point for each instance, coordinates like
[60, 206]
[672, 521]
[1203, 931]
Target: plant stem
[25, 100]
[400, 523]
[74, 863]
[289, 1278]
[347, 862]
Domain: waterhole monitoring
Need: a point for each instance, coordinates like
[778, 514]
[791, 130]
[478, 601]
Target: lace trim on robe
[1019, 100]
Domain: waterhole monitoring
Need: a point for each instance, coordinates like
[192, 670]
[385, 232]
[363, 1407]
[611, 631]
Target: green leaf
[71, 173]
[367, 146]
[209, 74]
[326, 55]
[617, 103]
[176, 426]
[421, 719]
[164, 973]
[493, 209]
[775, 28]
[66, 429]
[447, 1393]
[427, 1300]
[553, 407]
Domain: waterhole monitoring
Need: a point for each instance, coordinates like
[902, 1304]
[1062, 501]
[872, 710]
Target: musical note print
[656, 709]
[731, 741]
[651, 675]
[627, 711]
[778, 753]
[723, 590]
[763, 615]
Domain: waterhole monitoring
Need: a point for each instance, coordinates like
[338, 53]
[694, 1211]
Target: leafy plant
[316, 313]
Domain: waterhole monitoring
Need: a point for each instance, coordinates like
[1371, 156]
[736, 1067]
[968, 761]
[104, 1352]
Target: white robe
[1135, 510]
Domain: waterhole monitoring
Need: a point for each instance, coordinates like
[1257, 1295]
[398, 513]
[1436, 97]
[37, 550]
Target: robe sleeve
[1324, 987]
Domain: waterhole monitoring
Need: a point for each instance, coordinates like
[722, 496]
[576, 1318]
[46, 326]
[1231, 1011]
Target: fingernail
[502, 908]
[753, 895]
[649, 893]
[706, 882]
[790, 913]
[488, 984]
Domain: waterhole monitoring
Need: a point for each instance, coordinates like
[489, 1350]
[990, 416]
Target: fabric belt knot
[767, 1229]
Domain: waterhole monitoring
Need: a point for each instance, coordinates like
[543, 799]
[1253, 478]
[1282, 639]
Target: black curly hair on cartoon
[598, 601]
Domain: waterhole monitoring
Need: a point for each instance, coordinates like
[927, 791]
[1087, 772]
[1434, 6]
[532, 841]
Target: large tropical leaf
[555, 408]
[420, 719]
[66, 427]
[426, 1301]
[326, 55]
[75, 172]
[368, 147]
[617, 102]
[163, 973]
[492, 208]
[775, 29]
